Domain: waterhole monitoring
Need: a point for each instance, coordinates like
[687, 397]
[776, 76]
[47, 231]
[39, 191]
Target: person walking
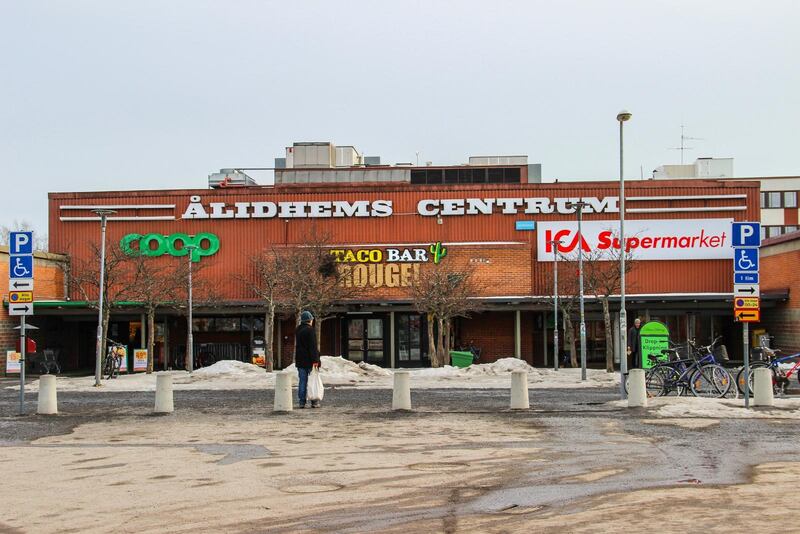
[306, 355]
[634, 344]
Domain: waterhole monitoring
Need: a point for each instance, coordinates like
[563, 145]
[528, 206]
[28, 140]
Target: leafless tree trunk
[269, 338]
[151, 337]
[609, 335]
[434, 357]
[569, 331]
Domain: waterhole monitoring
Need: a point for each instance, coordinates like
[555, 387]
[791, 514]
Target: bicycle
[780, 378]
[699, 373]
[113, 359]
[49, 362]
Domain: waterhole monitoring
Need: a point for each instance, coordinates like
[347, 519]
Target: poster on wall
[123, 353]
[139, 360]
[13, 362]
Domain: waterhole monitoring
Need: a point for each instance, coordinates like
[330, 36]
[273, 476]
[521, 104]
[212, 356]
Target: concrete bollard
[519, 390]
[283, 392]
[164, 402]
[401, 392]
[48, 398]
[762, 388]
[637, 393]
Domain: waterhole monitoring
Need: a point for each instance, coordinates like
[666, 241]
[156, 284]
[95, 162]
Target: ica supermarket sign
[154, 245]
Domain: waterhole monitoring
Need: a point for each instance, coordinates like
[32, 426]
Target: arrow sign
[21, 284]
[20, 309]
[746, 290]
[748, 316]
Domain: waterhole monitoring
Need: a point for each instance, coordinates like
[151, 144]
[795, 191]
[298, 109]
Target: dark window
[464, 176]
[451, 176]
[511, 175]
[495, 176]
[434, 176]
[417, 176]
[763, 200]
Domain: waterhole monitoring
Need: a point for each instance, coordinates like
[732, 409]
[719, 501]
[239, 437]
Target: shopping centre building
[383, 222]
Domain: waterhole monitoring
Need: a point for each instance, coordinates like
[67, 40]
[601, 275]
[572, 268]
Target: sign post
[20, 294]
[746, 240]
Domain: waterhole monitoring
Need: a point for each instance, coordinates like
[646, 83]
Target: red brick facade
[780, 258]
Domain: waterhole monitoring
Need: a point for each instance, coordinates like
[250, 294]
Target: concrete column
[164, 399]
[166, 343]
[637, 393]
[762, 388]
[401, 392]
[545, 337]
[48, 399]
[517, 335]
[519, 390]
[283, 392]
[142, 333]
[391, 340]
[278, 363]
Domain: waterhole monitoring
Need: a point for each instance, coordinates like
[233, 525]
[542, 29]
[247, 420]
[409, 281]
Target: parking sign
[746, 234]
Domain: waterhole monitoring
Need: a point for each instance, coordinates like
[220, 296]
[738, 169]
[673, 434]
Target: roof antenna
[683, 146]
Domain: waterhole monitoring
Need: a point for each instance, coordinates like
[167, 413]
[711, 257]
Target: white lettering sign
[676, 239]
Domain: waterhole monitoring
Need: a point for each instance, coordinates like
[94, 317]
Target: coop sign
[439, 207]
[154, 245]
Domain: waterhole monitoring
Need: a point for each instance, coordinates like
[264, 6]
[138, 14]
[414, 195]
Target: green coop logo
[154, 245]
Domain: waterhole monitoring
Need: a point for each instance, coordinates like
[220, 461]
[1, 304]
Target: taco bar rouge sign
[433, 253]
[384, 208]
[154, 245]
[677, 239]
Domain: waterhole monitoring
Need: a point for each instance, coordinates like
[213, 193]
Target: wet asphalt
[579, 430]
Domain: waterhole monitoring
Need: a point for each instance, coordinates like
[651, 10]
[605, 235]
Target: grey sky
[153, 94]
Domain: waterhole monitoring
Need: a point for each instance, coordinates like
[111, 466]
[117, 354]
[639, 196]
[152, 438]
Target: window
[773, 231]
[451, 176]
[467, 175]
[495, 175]
[511, 175]
[778, 199]
[418, 177]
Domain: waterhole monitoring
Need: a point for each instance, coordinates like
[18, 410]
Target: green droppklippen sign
[653, 338]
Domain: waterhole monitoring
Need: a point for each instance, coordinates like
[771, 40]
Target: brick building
[678, 231]
[780, 277]
[48, 285]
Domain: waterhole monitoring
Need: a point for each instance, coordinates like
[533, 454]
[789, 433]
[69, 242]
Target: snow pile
[502, 366]
[229, 367]
[677, 407]
[335, 369]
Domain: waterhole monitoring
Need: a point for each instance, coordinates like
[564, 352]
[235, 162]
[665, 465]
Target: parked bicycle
[113, 359]
[48, 362]
[697, 372]
[771, 360]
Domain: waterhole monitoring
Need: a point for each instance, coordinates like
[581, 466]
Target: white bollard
[519, 390]
[164, 402]
[401, 392]
[283, 392]
[762, 388]
[637, 393]
[48, 399]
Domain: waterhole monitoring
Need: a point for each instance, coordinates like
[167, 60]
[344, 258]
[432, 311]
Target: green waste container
[460, 358]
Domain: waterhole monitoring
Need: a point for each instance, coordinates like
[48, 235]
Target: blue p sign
[746, 234]
[21, 243]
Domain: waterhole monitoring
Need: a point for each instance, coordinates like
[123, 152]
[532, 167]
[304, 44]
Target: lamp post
[189, 335]
[578, 206]
[555, 243]
[103, 213]
[622, 116]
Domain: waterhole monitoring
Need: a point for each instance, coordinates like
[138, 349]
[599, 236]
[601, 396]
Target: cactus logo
[154, 245]
[437, 252]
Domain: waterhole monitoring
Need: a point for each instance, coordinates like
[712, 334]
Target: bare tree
[39, 240]
[267, 280]
[443, 292]
[602, 276]
[568, 299]
[155, 285]
[84, 278]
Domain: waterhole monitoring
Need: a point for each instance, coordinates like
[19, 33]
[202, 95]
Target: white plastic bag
[315, 389]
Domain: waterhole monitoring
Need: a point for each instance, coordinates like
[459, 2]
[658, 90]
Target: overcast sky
[98, 95]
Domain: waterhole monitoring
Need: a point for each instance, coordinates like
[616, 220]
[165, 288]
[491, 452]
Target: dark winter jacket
[633, 340]
[306, 353]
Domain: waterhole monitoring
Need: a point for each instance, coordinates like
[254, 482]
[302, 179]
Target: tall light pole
[103, 213]
[555, 243]
[189, 335]
[622, 117]
[579, 207]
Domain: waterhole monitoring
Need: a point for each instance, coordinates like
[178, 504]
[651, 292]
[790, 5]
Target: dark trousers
[302, 384]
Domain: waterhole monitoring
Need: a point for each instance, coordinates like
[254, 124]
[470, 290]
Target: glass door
[366, 341]
[409, 338]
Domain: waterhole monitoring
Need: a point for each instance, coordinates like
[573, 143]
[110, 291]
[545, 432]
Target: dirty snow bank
[677, 407]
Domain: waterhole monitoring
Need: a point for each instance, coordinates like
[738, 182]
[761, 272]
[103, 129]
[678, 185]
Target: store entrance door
[411, 341]
[366, 341]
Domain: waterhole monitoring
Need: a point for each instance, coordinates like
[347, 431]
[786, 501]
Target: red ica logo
[568, 241]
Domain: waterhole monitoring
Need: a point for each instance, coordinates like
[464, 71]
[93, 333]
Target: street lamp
[103, 213]
[189, 335]
[622, 116]
[578, 206]
[555, 243]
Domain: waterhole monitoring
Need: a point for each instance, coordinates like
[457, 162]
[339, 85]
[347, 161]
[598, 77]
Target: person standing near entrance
[306, 355]
[634, 344]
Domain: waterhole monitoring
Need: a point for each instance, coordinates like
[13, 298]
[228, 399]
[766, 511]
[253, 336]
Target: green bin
[460, 358]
